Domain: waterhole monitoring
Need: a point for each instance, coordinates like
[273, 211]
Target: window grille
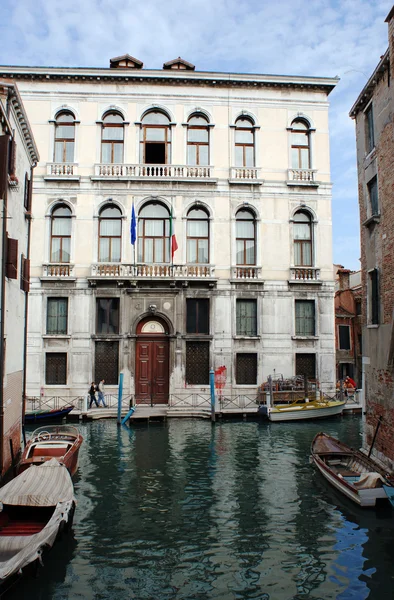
[197, 363]
[246, 369]
[107, 362]
[306, 365]
[55, 368]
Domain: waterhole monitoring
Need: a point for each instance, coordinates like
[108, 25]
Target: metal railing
[238, 402]
[192, 400]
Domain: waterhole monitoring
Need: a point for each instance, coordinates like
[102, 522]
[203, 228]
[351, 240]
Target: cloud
[300, 37]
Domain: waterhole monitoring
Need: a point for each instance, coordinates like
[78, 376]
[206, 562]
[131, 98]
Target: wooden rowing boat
[53, 414]
[350, 471]
[35, 507]
[301, 410]
[53, 441]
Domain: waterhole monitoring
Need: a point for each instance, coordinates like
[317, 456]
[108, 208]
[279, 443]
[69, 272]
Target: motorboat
[53, 441]
[302, 409]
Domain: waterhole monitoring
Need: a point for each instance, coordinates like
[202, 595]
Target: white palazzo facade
[237, 167]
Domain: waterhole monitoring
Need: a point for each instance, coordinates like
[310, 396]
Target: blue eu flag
[133, 227]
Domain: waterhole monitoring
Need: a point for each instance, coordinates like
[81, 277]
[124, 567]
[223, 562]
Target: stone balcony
[62, 171]
[58, 270]
[246, 273]
[250, 175]
[160, 173]
[302, 177]
[305, 275]
[147, 272]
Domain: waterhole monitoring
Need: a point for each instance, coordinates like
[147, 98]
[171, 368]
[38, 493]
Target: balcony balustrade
[246, 273]
[153, 172]
[162, 271]
[302, 176]
[244, 175]
[62, 170]
[57, 270]
[304, 275]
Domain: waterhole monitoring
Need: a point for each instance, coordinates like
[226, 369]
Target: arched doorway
[152, 362]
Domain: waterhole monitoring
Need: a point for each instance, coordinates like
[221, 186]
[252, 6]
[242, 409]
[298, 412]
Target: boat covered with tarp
[35, 507]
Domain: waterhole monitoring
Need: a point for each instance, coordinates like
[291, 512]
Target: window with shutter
[12, 161]
[11, 267]
[27, 194]
[4, 141]
[25, 274]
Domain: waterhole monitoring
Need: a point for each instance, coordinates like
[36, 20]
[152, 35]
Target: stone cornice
[368, 89]
[72, 74]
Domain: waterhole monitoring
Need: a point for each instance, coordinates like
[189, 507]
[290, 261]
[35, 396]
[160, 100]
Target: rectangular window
[107, 315]
[373, 196]
[25, 274]
[306, 365]
[56, 368]
[197, 363]
[106, 363]
[374, 297]
[344, 337]
[369, 130]
[197, 315]
[246, 369]
[57, 314]
[305, 317]
[246, 317]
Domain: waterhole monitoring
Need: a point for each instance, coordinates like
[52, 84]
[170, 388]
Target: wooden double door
[152, 370]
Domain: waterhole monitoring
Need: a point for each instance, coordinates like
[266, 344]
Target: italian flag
[173, 242]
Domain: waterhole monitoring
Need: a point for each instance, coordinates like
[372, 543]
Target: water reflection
[185, 510]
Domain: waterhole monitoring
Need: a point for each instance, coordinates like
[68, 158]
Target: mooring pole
[374, 435]
[212, 385]
[120, 394]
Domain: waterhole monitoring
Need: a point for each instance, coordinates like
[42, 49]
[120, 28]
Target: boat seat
[349, 474]
[50, 450]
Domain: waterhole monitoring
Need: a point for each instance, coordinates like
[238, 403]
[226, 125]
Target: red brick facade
[377, 247]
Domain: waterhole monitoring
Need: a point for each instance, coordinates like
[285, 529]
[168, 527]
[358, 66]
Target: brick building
[348, 333]
[373, 112]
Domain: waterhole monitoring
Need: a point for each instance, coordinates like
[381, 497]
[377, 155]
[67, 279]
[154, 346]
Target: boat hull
[311, 411]
[47, 415]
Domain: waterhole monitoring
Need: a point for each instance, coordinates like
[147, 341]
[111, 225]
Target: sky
[344, 38]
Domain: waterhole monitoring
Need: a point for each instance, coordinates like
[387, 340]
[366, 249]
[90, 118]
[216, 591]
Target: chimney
[390, 21]
[344, 279]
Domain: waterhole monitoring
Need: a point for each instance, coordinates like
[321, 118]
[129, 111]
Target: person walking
[92, 394]
[101, 390]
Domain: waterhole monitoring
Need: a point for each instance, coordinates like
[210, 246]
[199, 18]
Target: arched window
[154, 234]
[155, 139]
[300, 145]
[197, 236]
[245, 237]
[64, 137]
[112, 137]
[197, 141]
[60, 234]
[110, 234]
[244, 142]
[302, 239]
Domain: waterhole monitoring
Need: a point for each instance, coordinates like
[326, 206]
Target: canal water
[185, 510]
